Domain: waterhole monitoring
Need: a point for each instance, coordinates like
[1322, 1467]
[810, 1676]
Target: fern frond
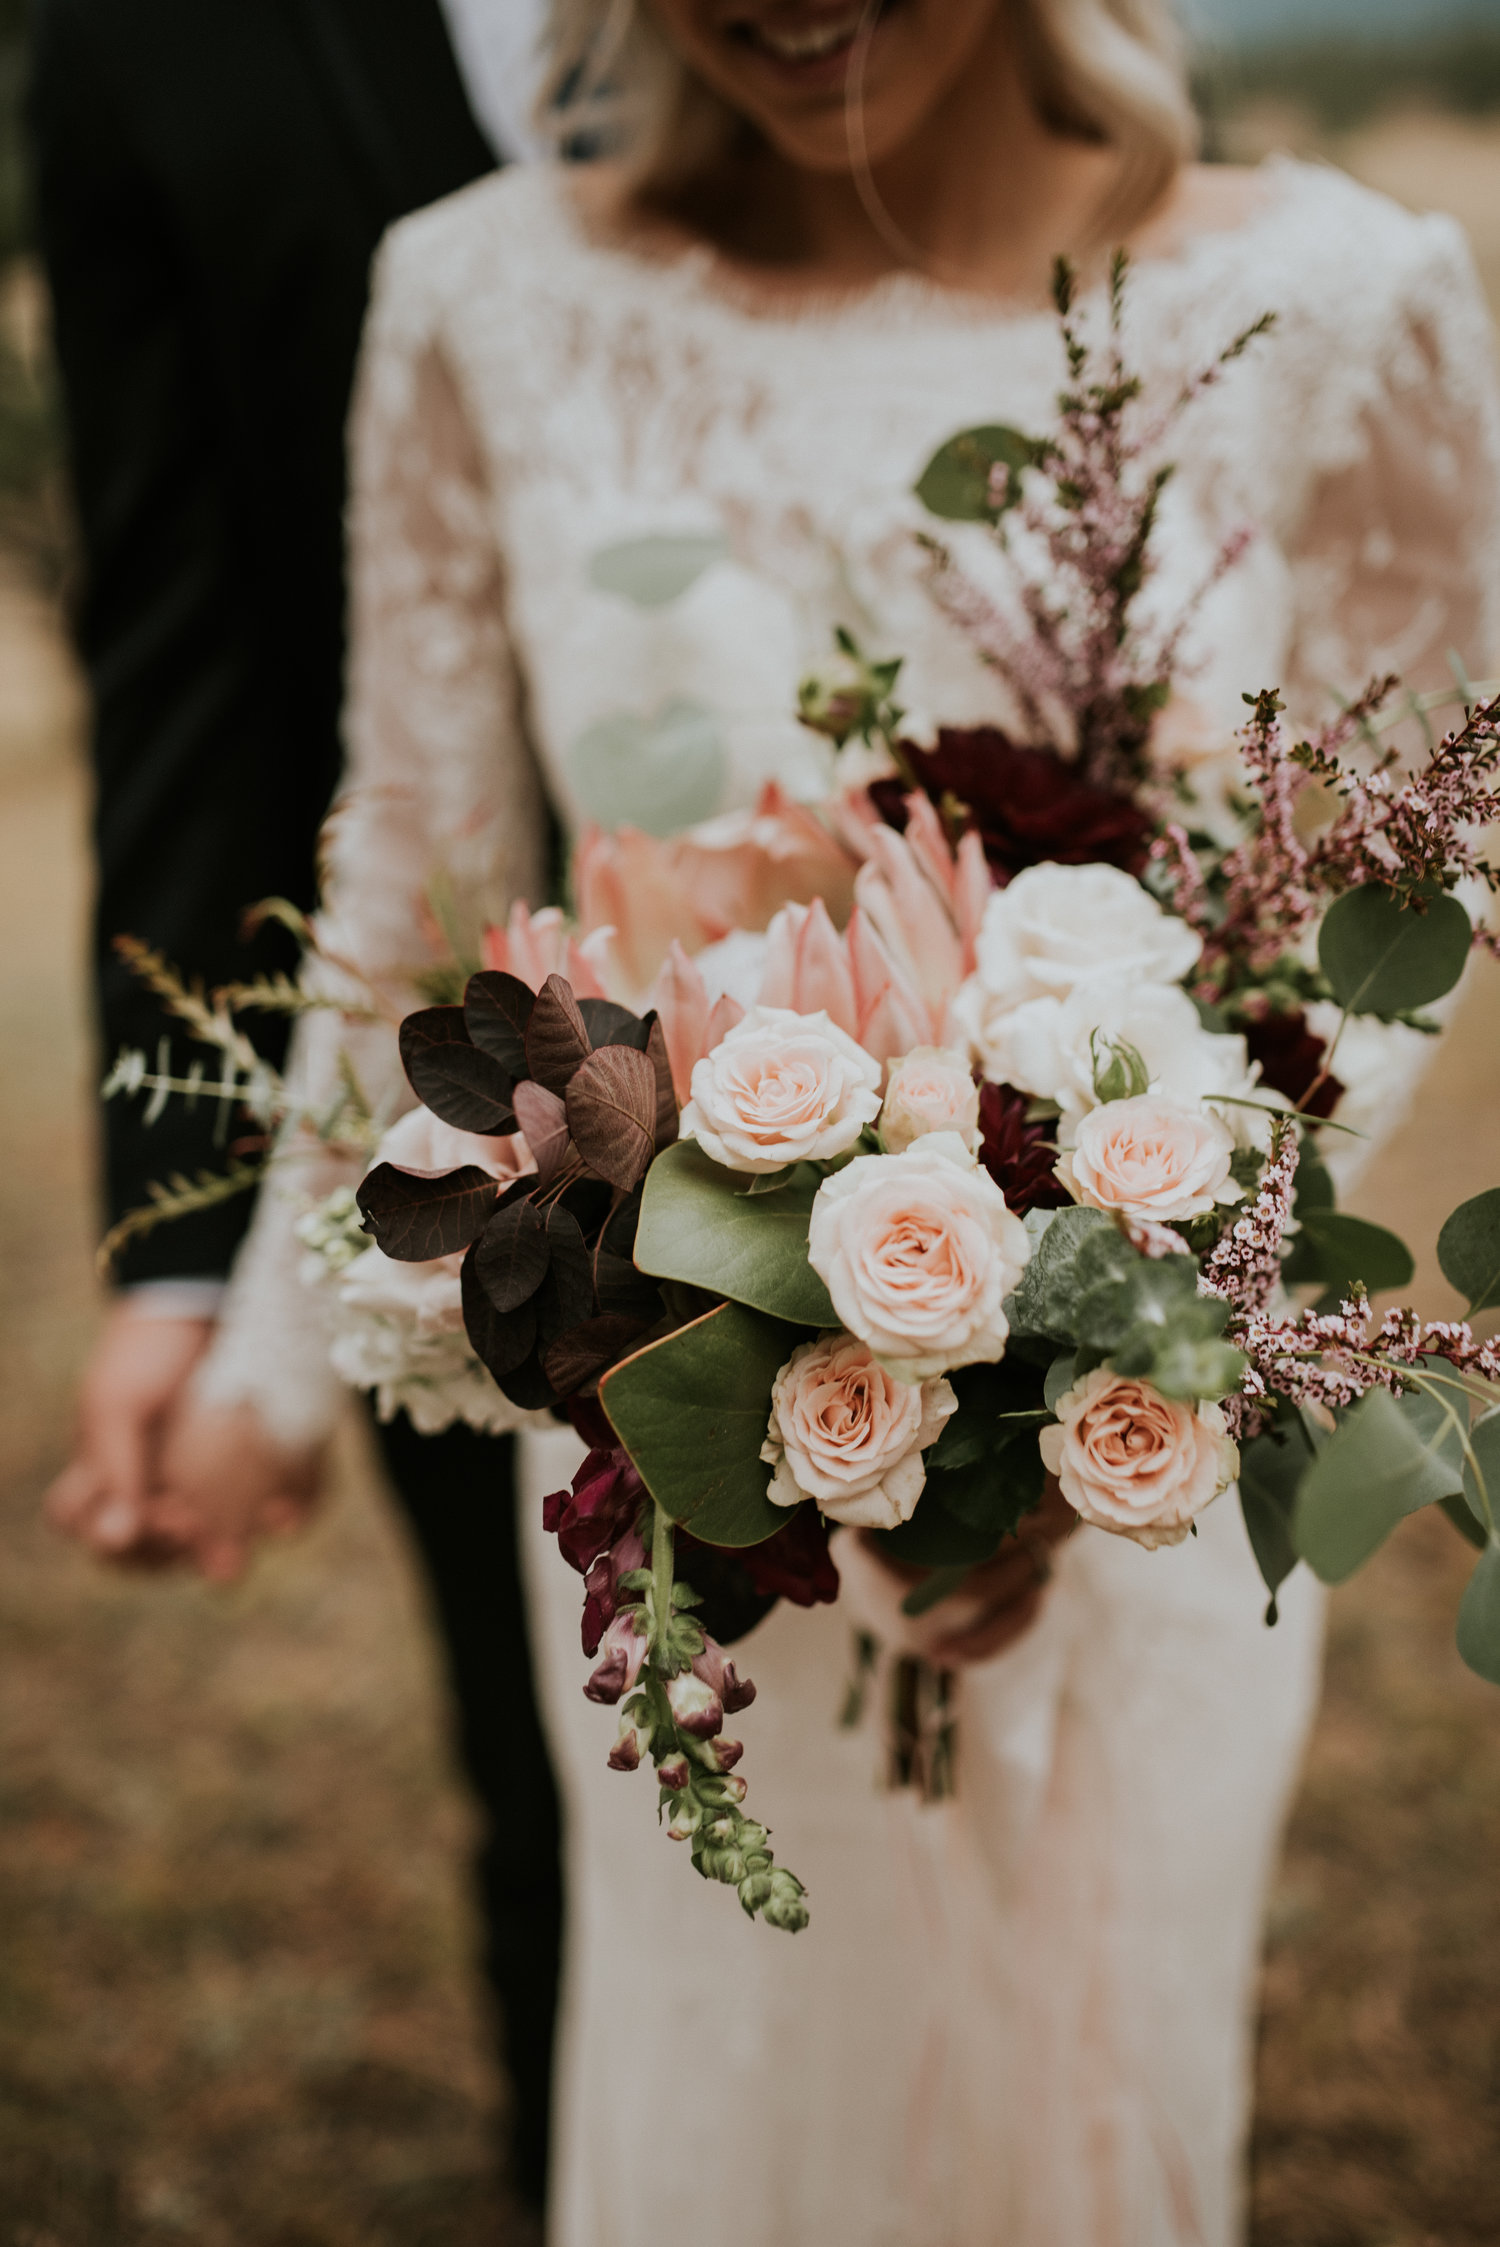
[176, 1197]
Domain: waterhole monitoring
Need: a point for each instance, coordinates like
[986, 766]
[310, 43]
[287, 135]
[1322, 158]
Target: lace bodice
[605, 515]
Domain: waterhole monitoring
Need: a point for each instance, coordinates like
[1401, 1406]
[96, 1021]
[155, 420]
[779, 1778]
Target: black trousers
[458, 1491]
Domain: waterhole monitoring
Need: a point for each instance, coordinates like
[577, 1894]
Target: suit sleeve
[165, 633]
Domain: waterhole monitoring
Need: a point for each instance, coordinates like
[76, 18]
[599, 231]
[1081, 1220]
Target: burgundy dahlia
[1021, 1157]
[1290, 1056]
[1027, 804]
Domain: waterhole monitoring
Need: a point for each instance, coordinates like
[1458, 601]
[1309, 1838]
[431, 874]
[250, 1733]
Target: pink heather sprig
[1334, 1358]
[1083, 667]
[1245, 1266]
[1420, 830]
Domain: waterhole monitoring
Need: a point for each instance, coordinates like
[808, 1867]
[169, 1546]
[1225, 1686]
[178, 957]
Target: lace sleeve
[1396, 559]
[440, 821]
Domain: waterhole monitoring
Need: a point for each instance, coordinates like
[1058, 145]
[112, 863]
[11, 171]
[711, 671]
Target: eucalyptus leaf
[1383, 957]
[699, 1225]
[1046, 1301]
[1479, 1617]
[692, 1410]
[1341, 1249]
[1368, 1476]
[955, 484]
[1272, 1469]
[1457, 1510]
[1469, 1251]
[658, 569]
[1484, 1442]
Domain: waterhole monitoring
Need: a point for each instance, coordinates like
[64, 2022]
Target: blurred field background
[235, 1997]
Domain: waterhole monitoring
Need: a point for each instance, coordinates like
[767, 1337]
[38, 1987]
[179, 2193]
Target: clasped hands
[159, 1478]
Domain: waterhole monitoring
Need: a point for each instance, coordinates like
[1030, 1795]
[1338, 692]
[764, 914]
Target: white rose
[929, 1089]
[1183, 1061]
[781, 1088]
[1016, 1045]
[845, 1433]
[1056, 925]
[919, 1252]
[1132, 1461]
[1150, 1158]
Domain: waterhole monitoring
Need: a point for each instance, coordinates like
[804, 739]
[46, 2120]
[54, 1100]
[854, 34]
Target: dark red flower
[1021, 1157]
[1290, 1056]
[601, 1505]
[1027, 804]
[795, 1564]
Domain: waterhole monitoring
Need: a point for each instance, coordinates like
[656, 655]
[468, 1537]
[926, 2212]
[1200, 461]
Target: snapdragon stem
[663, 1565]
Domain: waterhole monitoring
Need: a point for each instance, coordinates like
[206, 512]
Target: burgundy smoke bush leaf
[416, 1215]
[667, 1111]
[449, 1075]
[1027, 804]
[501, 1340]
[579, 1356]
[511, 1255]
[624, 1291]
[1021, 1157]
[528, 1386]
[544, 1120]
[497, 1008]
[556, 1036]
[566, 1296]
[608, 1024]
[612, 1114]
[1290, 1056]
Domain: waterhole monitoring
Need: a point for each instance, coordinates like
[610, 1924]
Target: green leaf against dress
[1479, 1617]
[692, 1410]
[1385, 1461]
[955, 485]
[1272, 1470]
[1337, 1249]
[1469, 1251]
[700, 1224]
[1383, 957]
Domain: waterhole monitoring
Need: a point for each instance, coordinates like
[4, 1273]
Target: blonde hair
[1110, 71]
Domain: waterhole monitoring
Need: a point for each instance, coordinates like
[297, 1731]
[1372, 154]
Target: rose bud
[623, 1649]
[631, 1742]
[673, 1771]
[695, 1705]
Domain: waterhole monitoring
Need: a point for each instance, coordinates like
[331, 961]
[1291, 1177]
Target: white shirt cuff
[175, 1299]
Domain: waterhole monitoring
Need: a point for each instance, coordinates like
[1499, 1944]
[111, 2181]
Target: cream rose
[929, 1089]
[1150, 1158]
[420, 1140]
[781, 1088]
[845, 1433]
[919, 1252]
[1055, 926]
[1133, 1461]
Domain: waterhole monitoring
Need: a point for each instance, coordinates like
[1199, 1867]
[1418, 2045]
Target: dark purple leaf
[528, 1386]
[497, 1008]
[612, 1114]
[416, 1215]
[586, 1351]
[556, 1039]
[666, 1098]
[608, 1024]
[622, 1290]
[566, 1296]
[501, 1340]
[463, 1086]
[511, 1255]
[544, 1120]
[618, 1236]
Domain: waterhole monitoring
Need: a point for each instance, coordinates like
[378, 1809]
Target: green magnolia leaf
[1369, 1475]
[1484, 1443]
[1469, 1251]
[955, 484]
[1272, 1469]
[657, 570]
[1383, 957]
[698, 1224]
[1046, 1302]
[1340, 1249]
[1479, 1617]
[692, 1411]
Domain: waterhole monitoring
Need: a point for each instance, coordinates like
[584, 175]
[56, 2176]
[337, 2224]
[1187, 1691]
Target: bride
[631, 437]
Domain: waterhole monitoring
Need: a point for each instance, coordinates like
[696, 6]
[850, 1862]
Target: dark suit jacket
[212, 179]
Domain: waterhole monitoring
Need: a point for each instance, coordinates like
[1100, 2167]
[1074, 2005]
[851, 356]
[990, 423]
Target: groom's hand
[132, 1388]
[998, 1602]
[227, 1484]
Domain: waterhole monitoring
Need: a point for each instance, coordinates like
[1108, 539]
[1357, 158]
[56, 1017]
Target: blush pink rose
[848, 1435]
[422, 1141]
[1150, 1157]
[1135, 1462]
[781, 1088]
[918, 1252]
[929, 1089]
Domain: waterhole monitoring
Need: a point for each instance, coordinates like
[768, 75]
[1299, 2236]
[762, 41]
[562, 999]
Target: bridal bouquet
[867, 1164]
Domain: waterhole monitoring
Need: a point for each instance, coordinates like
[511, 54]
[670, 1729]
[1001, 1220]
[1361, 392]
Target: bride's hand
[998, 1602]
[228, 1484]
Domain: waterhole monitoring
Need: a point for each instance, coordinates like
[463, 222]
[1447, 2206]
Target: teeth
[811, 44]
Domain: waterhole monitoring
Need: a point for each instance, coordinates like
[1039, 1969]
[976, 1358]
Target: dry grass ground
[235, 2000]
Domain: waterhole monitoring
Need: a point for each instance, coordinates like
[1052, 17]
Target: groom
[212, 179]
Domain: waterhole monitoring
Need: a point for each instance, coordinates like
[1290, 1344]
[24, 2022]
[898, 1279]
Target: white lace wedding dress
[1019, 2020]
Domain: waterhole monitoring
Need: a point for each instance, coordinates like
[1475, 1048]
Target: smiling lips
[804, 39]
